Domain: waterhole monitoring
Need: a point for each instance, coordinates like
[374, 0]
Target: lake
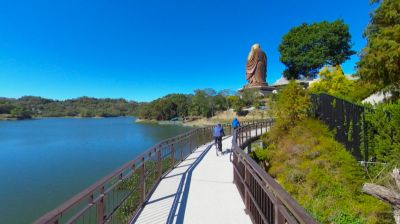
[44, 162]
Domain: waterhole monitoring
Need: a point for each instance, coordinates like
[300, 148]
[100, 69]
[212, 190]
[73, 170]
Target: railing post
[261, 127]
[241, 137]
[246, 134]
[173, 155]
[279, 219]
[190, 144]
[197, 139]
[256, 129]
[159, 160]
[142, 189]
[100, 207]
[182, 152]
[250, 128]
[91, 198]
[246, 196]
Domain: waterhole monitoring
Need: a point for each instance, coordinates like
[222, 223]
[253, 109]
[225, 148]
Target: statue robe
[256, 68]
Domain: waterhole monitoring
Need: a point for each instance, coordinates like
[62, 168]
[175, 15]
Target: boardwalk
[199, 190]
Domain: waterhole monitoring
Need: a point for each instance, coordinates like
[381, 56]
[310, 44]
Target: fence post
[279, 219]
[190, 143]
[100, 207]
[239, 136]
[256, 129]
[246, 196]
[182, 152]
[173, 155]
[142, 189]
[246, 131]
[159, 162]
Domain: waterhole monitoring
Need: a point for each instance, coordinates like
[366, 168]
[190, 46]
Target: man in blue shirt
[235, 125]
[218, 133]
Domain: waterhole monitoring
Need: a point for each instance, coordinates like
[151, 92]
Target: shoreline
[6, 118]
[224, 117]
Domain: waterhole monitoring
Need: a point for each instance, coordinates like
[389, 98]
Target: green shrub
[384, 133]
[321, 175]
[291, 105]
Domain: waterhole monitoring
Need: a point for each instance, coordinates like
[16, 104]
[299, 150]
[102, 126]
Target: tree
[380, 59]
[306, 48]
[251, 97]
[201, 105]
[334, 82]
[21, 113]
[291, 105]
[236, 103]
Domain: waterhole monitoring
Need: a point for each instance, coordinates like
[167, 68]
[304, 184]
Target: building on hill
[304, 82]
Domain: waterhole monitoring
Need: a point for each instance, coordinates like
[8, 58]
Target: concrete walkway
[199, 190]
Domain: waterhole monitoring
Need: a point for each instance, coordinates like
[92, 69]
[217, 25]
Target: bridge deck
[199, 190]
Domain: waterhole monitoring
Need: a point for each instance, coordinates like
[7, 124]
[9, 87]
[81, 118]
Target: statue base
[263, 90]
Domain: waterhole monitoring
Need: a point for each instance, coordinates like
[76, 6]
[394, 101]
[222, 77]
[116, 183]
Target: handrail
[131, 184]
[264, 198]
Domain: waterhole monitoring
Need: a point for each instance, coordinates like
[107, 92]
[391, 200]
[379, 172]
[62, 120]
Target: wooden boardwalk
[199, 190]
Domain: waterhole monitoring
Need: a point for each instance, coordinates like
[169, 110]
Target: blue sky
[142, 50]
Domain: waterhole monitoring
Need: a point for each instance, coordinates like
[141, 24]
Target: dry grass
[227, 117]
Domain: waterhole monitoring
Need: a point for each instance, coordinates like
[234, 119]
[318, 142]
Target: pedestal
[263, 90]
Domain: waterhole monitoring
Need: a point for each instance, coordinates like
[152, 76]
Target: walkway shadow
[181, 190]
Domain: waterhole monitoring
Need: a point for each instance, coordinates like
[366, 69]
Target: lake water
[44, 162]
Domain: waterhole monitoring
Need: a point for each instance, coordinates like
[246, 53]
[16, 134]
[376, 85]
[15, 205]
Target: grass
[320, 174]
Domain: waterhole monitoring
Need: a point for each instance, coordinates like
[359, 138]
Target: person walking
[235, 125]
[218, 133]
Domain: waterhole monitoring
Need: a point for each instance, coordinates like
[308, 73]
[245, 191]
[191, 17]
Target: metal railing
[119, 196]
[265, 200]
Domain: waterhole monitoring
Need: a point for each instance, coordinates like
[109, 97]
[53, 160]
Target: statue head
[255, 46]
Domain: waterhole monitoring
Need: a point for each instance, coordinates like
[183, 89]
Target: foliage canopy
[291, 105]
[380, 59]
[306, 48]
[28, 106]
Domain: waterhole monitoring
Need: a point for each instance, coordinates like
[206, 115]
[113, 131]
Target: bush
[321, 175]
[334, 82]
[384, 134]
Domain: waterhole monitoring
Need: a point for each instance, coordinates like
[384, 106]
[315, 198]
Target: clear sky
[141, 50]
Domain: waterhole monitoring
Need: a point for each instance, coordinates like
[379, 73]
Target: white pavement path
[199, 190]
